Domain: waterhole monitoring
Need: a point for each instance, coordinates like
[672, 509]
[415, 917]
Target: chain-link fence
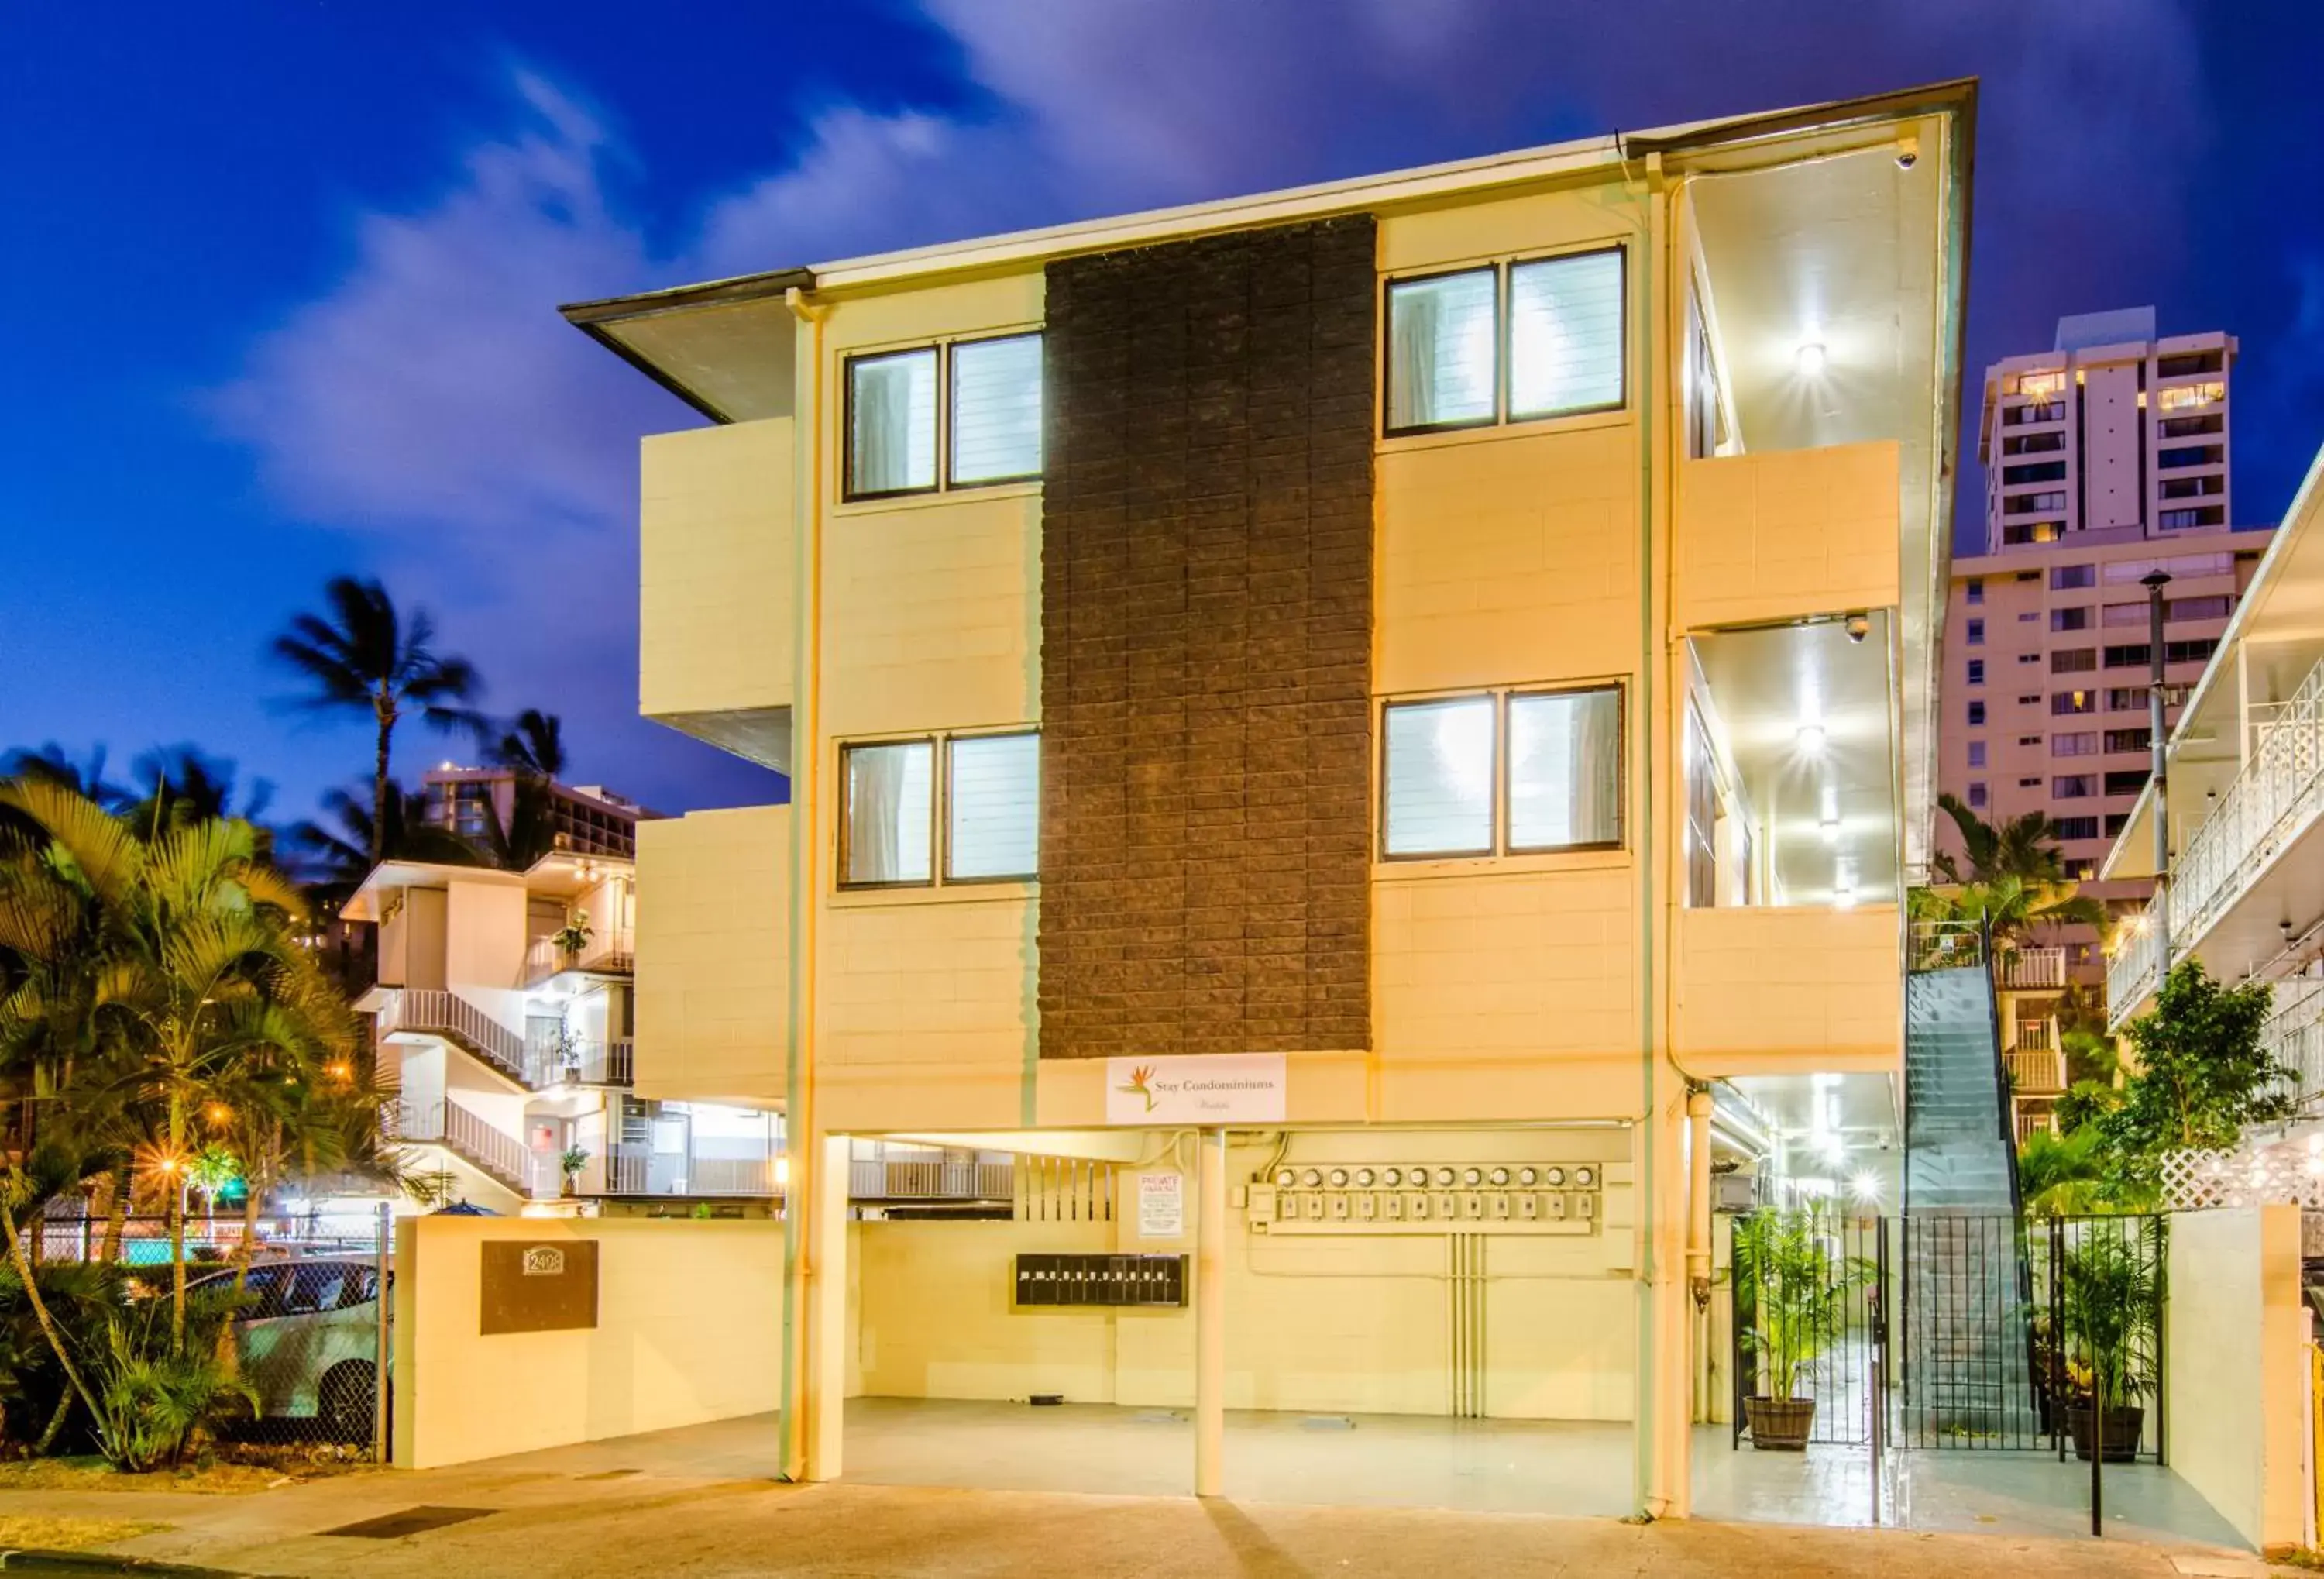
[301, 1308]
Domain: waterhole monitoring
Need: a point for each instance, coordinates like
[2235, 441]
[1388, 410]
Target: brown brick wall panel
[1206, 583]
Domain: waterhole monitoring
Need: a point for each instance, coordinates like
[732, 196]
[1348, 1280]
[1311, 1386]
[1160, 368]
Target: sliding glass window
[891, 424]
[1441, 359]
[887, 821]
[996, 411]
[992, 807]
[1517, 341]
[1506, 772]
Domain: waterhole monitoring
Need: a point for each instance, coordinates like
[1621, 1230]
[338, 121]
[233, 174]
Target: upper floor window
[983, 809]
[1508, 772]
[1506, 343]
[2182, 397]
[2041, 385]
[2066, 578]
[1975, 592]
[1977, 632]
[986, 428]
[1977, 671]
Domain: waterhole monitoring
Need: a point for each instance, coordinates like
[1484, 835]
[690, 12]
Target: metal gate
[1954, 1332]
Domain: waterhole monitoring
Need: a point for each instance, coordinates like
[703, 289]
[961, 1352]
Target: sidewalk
[535, 1515]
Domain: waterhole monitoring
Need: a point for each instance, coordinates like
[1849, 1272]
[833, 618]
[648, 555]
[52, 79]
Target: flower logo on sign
[1140, 1084]
[544, 1260]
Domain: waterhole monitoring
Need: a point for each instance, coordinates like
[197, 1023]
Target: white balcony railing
[2131, 967]
[2037, 1070]
[946, 1178]
[581, 1061]
[2272, 801]
[461, 1129]
[2032, 968]
[633, 1170]
[2031, 1122]
[2293, 1035]
[613, 950]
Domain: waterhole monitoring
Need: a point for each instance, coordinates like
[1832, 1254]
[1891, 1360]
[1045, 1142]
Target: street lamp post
[2155, 581]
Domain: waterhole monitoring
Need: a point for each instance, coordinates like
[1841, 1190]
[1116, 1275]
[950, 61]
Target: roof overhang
[389, 876]
[725, 348]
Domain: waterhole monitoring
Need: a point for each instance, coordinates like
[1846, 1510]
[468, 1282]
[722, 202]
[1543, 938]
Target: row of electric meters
[1481, 1197]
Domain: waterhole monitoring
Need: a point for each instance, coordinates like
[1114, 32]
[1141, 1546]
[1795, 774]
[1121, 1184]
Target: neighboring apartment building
[506, 1029]
[589, 819]
[1387, 723]
[2106, 460]
[2245, 779]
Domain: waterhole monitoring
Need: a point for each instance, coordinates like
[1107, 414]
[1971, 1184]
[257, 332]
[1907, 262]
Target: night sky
[278, 281]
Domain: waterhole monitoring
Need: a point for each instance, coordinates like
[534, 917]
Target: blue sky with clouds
[279, 280]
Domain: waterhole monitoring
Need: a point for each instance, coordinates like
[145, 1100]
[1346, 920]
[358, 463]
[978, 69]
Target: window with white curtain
[1510, 342]
[1565, 335]
[1565, 770]
[992, 810]
[887, 817]
[1443, 340]
[1439, 791]
[891, 423]
[996, 411]
[1507, 772]
[976, 403]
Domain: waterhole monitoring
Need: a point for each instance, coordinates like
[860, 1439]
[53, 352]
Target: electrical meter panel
[1430, 1198]
[1101, 1280]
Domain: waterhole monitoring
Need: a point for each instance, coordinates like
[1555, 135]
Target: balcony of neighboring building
[2245, 812]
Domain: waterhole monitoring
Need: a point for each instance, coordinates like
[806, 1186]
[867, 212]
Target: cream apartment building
[1377, 730]
[504, 1008]
[2245, 893]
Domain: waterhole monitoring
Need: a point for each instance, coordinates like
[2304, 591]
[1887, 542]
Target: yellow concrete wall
[713, 922]
[483, 948]
[2236, 1367]
[687, 1318]
[1774, 990]
[717, 570]
[1314, 1323]
[1507, 556]
[1780, 535]
[1507, 988]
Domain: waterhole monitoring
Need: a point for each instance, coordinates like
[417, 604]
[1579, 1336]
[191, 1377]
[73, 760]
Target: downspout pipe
[1645, 1503]
[799, 1094]
[2155, 581]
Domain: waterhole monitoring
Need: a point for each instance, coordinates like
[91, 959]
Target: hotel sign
[1216, 1088]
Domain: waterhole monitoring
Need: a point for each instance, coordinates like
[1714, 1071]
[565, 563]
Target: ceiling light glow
[1813, 359]
[1810, 738]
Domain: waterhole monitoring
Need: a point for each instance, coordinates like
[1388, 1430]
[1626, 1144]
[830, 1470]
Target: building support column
[1209, 1313]
[826, 1302]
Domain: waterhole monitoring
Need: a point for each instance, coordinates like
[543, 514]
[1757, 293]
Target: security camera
[1908, 153]
[1859, 627]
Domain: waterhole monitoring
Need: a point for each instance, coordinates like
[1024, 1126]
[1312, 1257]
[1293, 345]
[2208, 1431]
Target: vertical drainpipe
[798, 1096]
[2155, 581]
[1643, 1499]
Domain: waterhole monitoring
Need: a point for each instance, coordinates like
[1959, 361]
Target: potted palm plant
[570, 1162]
[2110, 1298]
[1798, 1287]
[573, 936]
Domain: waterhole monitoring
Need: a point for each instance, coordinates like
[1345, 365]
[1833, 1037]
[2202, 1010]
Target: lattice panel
[2257, 1173]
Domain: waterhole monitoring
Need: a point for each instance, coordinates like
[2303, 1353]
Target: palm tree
[2008, 907]
[369, 659]
[178, 784]
[337, 859]
[530, 832]
[533, 745]
[50, 764]
[200, 984]
[2024, 846]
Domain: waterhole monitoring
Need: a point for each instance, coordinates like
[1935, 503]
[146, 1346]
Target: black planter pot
[1780, 1424]
[2123, 1427]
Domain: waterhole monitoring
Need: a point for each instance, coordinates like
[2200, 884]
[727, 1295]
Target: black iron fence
[1961, 1332]
[1808, 1320]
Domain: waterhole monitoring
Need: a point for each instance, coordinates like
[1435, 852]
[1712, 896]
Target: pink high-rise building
[2106, 460]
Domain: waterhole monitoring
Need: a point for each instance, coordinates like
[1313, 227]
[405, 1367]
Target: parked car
[309, 1339]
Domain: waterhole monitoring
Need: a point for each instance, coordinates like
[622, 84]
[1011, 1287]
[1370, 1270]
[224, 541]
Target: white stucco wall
[2236, 1367]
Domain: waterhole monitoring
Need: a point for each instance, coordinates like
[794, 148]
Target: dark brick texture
[1206, 610]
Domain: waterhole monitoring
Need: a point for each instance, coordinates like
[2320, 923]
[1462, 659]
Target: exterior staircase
[1966, 1352]
[428, 1012]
